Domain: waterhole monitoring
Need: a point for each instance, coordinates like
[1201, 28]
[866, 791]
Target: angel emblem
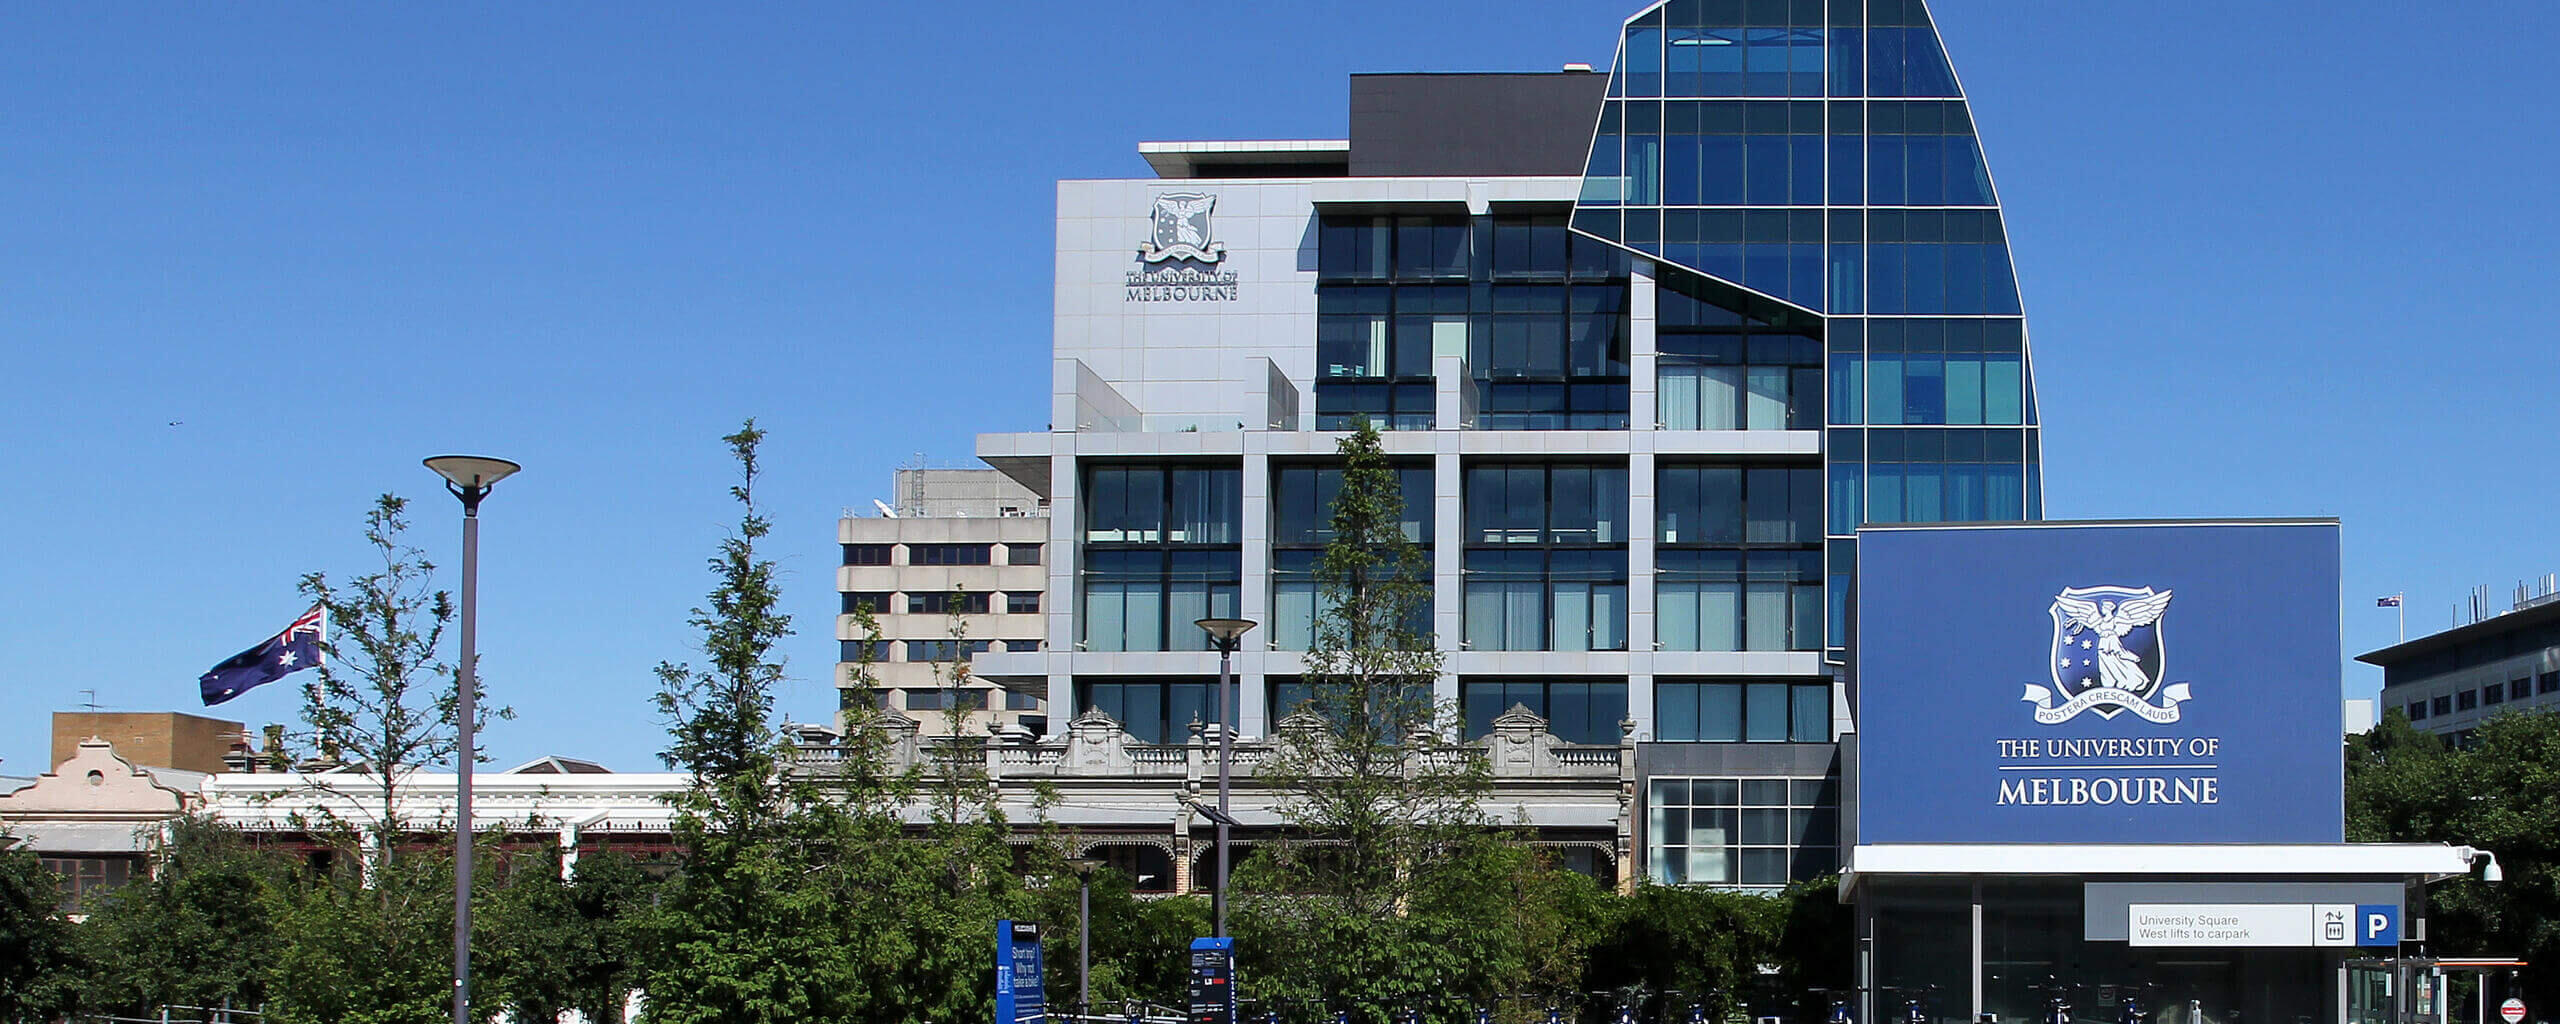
[1180, 229]
[2109, 637]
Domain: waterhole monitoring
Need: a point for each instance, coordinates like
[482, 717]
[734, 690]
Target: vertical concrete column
[1643, 408]
[1640, 604]
[1448, 547]
[1066, 559]
[1253, 713]
[1643, 351]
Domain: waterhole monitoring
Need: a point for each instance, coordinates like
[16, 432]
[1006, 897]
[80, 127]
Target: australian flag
[284, 654]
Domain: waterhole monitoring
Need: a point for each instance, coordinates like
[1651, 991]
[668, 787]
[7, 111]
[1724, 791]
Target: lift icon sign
[2355, 924]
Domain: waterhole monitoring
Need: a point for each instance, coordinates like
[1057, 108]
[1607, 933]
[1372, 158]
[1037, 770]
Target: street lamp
[1226, 634]
[1084, 867]
[469, 477]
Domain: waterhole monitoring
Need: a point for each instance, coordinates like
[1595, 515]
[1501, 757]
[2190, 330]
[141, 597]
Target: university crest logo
[2107, 657]
[1181, 230]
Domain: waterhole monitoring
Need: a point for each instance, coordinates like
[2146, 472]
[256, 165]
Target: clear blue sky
[2278, 260]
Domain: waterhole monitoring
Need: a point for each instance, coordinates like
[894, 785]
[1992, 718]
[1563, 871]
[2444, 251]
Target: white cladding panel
[1186, 360]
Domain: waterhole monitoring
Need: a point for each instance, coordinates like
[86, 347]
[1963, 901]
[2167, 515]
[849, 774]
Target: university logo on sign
[2107, 657]
[1181, 230]
[1179, 260]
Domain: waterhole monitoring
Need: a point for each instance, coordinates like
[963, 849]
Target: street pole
[469, 478]
[1226, 633]
[467, 680]
[1084, 942]
[1226, 756]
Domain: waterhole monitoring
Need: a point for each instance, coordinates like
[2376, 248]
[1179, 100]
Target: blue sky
[260, 260]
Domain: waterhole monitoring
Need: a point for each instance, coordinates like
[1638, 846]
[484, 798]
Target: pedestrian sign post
[1213, 981]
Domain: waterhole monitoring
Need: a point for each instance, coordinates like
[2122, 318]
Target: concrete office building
[2450, 682]
[1650, 345]
[959, 550]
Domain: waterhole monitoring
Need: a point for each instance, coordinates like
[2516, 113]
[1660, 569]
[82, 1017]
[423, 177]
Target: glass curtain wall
[1741, 711]
[1153, 710]
[1539, 315]
[1812, 165]
[1748, 832]
[1577, 711]
[1161, 551]
[1302, 525]
[1739, 550]
[1546, 559]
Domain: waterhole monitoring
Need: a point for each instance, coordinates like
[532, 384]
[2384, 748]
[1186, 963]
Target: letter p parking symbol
[2378, 924]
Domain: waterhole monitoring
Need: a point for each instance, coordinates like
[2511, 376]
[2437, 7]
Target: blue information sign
[2098, 683]
[1213, 981]
[1019, 996]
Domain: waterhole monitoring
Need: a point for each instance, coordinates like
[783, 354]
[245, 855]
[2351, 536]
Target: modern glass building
[1809, 170]
[1648, 347]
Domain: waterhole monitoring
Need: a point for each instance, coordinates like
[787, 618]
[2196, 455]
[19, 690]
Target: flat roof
[2522, 618]
[1231, 158]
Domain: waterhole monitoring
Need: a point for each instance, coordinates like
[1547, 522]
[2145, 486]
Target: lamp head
[1226, 631]
[469, 477]
[1084, 867]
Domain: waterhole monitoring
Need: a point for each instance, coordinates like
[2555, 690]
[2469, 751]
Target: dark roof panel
[1491, 125]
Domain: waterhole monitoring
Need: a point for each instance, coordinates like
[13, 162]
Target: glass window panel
[1766, 617]
[1812, 714]
[1710, 866]
[1763, 867]
[1964, 389]
[1676, 616]
[1572, 617]
[1923, 487]
[1720, 615]
[1523, 618]
[1667, 826]
[2001, 389]
[1720, 721]
[1609, 617]
[1765, 713]
[1675, 714]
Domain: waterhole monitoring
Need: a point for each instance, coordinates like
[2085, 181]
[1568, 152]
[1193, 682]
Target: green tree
[554, 944]
[763, 924]
[1397, 890]
[37, 958]
[366, 946]
[2499, 792]
[1705, 943]
[381, 701]
[201, 931]
[1141, 947]
[1370, 776]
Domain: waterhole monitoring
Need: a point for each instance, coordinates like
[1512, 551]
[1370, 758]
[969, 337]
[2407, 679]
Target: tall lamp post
[469, 477]
[1226, 634]
[1084, 867]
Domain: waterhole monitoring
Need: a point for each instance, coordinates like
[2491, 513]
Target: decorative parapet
[1097, 747]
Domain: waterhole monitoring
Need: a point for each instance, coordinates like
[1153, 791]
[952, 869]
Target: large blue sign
[1020, 996]
[2098, 683]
